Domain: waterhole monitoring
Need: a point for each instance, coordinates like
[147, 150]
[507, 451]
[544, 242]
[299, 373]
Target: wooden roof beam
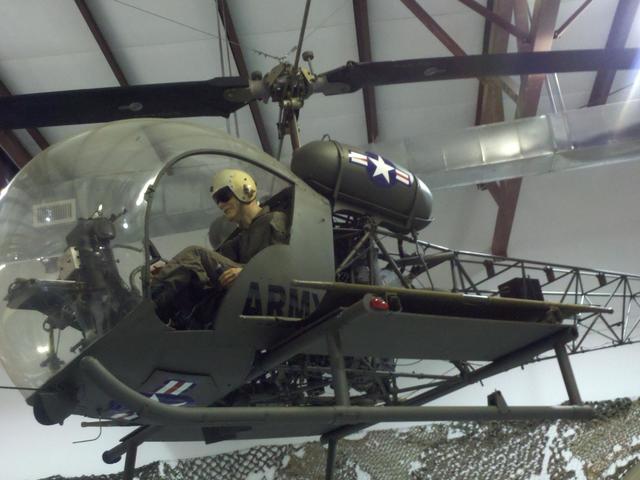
[33, 132]
[10, 143]
[543, 22]
[433, 26]
[500, 21]
[102, 42]
[562, 28]
[480, 98]
[7, 169]
[361, 15]
[489, 107]
[508, 192]
[620, 27]
[12, 146]
[225, 16]
[238, 56]
[505, 193]
[428, 21]
[545, 14]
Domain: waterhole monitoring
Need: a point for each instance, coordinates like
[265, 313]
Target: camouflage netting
[605, 448]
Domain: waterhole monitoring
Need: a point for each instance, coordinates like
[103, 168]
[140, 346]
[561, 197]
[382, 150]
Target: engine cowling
[362, 182]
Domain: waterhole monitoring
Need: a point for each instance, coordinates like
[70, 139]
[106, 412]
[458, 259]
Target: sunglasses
[223, 195]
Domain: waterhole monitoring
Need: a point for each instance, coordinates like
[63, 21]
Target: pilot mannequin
[189, 286]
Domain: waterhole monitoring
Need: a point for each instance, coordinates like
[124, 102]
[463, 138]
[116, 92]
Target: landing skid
[333, 422]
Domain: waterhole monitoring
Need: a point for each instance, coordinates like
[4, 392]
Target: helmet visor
[223, 195]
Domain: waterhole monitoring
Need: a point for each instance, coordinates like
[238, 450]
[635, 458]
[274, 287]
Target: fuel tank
[363, 182]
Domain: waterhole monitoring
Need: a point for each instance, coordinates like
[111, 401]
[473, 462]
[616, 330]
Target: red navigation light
[378, 303]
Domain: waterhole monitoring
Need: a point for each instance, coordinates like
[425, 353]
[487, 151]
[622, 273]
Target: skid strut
[567, 374]
[341, 389]
[129, 447]
[130, 462]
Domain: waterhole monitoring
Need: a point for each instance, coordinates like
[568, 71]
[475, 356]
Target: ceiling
[46, 46]
[75, 44]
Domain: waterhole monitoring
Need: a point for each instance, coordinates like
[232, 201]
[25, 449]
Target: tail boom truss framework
[407, 261]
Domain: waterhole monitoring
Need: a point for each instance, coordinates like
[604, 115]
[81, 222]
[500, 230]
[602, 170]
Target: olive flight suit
[190, 279]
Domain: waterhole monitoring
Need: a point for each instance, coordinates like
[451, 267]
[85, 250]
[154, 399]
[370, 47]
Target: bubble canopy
[82, 203]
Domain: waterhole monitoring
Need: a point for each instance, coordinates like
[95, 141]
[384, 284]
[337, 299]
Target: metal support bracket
[130, 462]
[341, 388]
[567, 375]
[338, 368]
[331, 458]
[496, 399]
[133, 440]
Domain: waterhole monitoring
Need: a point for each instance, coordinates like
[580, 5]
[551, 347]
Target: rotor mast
[290, 105]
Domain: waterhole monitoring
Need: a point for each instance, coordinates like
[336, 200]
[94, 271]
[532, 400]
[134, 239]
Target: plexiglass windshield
[72, 228]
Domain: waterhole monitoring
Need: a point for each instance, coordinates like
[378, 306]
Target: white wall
[587, 217]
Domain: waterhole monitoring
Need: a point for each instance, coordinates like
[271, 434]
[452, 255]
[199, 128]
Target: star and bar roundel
[381, 171]
[172, 392]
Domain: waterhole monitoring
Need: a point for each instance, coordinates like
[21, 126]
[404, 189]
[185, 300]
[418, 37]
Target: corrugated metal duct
[587, 137]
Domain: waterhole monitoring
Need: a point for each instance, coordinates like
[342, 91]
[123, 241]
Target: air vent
[53, 213]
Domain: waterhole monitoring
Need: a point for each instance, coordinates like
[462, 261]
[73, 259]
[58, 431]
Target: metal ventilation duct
[587, 137]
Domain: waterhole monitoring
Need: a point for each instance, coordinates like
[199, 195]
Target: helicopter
[284, 337]
[286, 333]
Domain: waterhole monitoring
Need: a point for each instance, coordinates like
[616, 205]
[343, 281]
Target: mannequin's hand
[157, 267]
[229, 276]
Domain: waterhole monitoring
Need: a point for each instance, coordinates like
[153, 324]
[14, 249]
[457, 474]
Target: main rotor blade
[354, 76]
[183, 99]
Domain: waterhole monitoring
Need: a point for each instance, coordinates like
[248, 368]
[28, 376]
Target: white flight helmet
[240, 183]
